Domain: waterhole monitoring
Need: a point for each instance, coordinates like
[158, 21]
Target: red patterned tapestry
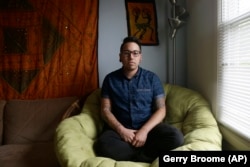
[48, 48]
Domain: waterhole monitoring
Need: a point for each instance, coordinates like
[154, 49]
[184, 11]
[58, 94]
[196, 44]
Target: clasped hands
[136, 138]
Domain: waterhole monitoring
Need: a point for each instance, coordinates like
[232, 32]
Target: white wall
[112, 30]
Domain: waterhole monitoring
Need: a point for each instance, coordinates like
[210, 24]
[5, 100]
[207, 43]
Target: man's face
[130, 56]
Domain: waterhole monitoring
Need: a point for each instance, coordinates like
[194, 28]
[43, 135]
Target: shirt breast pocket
[144, 97]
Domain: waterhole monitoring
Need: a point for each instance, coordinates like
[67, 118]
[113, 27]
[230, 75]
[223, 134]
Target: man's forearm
[158, 115]
[155, 119]
[109, 117]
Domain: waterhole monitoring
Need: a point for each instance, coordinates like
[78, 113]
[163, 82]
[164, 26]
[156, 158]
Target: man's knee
[104, 143]
[178, 138]
[169, 135]
[111, 145]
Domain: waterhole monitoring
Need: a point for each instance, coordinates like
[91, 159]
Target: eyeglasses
[134, 53]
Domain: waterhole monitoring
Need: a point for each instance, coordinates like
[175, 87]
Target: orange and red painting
[142, 21]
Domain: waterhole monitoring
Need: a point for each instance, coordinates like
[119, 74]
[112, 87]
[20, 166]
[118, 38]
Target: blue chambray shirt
[132, 99]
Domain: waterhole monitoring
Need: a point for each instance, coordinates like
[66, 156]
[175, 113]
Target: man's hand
[134, 137]
[141, 135]
[127, 135]
[140, 138]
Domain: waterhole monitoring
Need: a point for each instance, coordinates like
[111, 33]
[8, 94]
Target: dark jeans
[162, 137]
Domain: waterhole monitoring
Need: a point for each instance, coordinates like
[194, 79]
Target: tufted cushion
[191, 113]
[186, 110]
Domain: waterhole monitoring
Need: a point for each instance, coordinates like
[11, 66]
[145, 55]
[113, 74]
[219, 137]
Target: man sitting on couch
[133, 107]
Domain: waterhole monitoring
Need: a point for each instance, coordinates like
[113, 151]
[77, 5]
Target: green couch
[186, 110]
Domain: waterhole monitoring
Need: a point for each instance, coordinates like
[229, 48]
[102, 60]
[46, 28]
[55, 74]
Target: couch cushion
[23, 155]
[2, 104]
[27, 121]
[189, 111]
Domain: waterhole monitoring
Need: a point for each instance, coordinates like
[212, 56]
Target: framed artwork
[142, 21]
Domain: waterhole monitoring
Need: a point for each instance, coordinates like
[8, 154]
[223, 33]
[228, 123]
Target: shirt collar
[135, 76]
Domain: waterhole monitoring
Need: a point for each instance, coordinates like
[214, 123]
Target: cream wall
[201, 44]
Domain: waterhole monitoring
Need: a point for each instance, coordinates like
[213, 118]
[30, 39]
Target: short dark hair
[130, 39]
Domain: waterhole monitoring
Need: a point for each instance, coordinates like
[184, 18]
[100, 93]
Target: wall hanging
[142, 20]
[48, 48]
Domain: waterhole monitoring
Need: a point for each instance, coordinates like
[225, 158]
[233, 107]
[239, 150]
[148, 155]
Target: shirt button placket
[131, 94]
